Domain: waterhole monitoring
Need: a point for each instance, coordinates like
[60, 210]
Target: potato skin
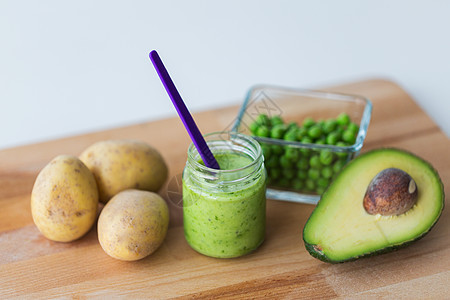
[133, 224]
[118, 165]
[64, 199]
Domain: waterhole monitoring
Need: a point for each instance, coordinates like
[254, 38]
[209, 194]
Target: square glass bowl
[301, 164]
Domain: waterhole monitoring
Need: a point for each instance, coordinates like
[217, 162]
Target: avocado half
[340, 229]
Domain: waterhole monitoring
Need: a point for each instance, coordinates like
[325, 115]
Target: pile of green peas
[304, 169]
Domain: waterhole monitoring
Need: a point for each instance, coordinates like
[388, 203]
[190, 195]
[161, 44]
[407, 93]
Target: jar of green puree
[224, 211]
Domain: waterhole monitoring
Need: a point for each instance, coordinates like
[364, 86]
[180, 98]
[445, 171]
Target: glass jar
[224, 210]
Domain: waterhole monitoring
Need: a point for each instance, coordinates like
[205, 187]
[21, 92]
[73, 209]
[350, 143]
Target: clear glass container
[304, 177]
[224, 211]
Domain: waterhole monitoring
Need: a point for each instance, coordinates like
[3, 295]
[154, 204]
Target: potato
[64, 199]
[133, 224]
[118, 165]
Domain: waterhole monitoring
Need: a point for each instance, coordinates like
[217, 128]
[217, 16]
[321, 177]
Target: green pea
[306, 140]
[302, 163]
[321, 141]
[305, 151]
[341, 154]
[322, 182]
[263, 131]
[292, 125]
[339, 131]
[329, 126]
[288, 173]
[343, 119]
[301, 133]
[320, 190]
[292, 153]
[338, 165]
[290, 135]
[263, 119]
[310, 184]
[333, 138]
[276, 120]
[285, 162]
[272, 162]
[277, 149]
[254, 128]
[327, 172]
[277, 131]
[313, 174]
[308, 122]
[315, 131]
[314, 162]
[302, 174]
[353, 127]
[297, 184]
[326, 157]
[349, 136]
[275, 173]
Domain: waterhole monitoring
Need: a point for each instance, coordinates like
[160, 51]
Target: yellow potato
[64, 199]
[118, 165]
[133, 224]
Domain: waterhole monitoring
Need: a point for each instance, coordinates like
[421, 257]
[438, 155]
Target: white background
[71, 67]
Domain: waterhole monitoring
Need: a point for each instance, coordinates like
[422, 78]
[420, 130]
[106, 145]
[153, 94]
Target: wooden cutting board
[34, 267]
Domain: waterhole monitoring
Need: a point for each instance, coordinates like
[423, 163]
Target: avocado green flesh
[340, 229]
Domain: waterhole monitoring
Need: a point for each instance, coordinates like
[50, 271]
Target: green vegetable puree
[225, 220]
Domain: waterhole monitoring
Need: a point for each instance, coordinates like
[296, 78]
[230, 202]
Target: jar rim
[248, 139]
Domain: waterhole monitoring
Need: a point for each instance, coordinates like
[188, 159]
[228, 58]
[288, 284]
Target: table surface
[32, 266]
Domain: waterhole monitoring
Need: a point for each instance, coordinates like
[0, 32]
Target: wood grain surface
[34, 267]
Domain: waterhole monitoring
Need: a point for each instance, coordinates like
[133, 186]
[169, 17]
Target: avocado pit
[391, 192]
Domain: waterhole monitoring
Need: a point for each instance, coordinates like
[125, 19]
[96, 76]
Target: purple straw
[188, 122]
